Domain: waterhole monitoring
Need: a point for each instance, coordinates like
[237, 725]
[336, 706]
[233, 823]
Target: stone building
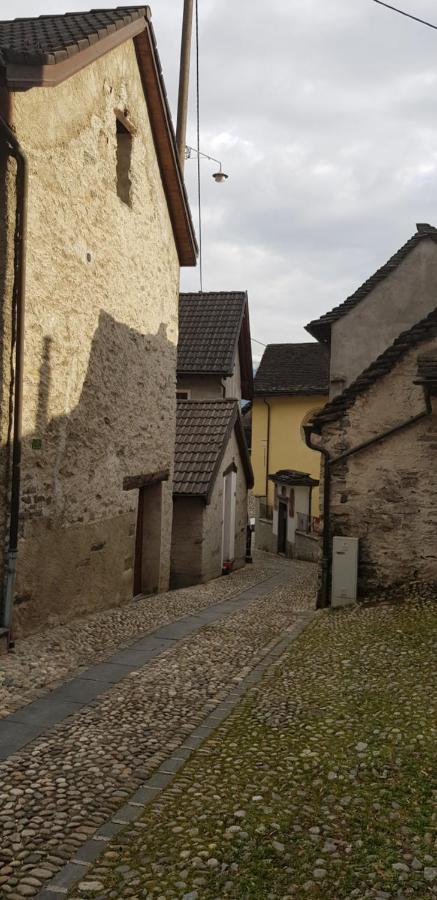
[214, 350]
[398, 295]
[379, 439]
[291, 384]
[108, 227]
[212, 477]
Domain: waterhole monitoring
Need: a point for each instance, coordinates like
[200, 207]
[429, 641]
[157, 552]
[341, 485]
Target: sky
[324, 115]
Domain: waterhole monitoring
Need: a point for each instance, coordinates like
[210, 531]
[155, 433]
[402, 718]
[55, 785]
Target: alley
[129, 699]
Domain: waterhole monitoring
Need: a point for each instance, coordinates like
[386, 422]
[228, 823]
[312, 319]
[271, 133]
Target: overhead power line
[406, 14]
[254, 341]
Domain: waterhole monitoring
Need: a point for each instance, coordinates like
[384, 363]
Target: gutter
[324, 595]
[14, 150]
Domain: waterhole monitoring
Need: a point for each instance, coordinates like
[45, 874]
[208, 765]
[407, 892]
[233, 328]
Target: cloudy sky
[324, 113]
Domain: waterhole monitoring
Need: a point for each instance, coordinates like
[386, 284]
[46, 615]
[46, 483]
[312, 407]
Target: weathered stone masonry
[100, 346]
[387, 494]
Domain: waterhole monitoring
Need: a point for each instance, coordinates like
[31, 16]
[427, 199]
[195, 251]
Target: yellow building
[290, 385]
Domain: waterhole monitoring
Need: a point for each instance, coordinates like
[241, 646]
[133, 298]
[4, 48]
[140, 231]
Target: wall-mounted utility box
[344, 571]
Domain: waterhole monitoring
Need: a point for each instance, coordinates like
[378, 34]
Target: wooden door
[282, 526]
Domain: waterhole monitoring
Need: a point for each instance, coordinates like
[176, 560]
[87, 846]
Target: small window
[124, 161]
[182, 395]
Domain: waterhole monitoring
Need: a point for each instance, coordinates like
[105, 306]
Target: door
[282, 526]
[229, 501]
[148, 541]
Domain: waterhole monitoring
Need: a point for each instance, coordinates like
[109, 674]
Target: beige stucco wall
[387, 495]
[100, 347]
[212, 387]
[407, 295]
[196, 552]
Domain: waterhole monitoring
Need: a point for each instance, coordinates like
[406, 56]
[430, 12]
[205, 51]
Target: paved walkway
[321, 784]
[73, 758]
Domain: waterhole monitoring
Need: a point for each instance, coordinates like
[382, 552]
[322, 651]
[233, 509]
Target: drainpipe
[323, 599]
[267, 450]
[14, 149]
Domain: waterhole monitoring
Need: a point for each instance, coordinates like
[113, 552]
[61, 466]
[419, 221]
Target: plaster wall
[407, 295]
[387, 494]
[212, 387]
[288, 449]
[100, 344]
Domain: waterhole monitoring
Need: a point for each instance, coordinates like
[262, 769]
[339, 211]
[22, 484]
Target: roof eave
[308, 392]
[321, 331]
[22, 77]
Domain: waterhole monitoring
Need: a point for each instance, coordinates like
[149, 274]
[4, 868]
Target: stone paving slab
[320, 786]
[47, 659]
[62, 702]
[58, 792]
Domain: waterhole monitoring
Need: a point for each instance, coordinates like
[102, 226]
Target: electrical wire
[406, 14]
[254, 341]
[199, 197]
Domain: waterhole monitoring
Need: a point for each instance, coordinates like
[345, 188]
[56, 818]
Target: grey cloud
[324, 114]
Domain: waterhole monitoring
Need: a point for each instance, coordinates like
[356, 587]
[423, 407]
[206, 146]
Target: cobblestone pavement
[46, 659]
[64, 785]
[321, 784]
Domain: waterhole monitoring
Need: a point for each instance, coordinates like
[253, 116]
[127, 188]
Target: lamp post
[219, 176]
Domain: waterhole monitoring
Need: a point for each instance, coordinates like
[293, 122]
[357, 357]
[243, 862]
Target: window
[182, 395]
[124, 162]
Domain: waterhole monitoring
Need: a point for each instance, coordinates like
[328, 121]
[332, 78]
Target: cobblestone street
[83, 749]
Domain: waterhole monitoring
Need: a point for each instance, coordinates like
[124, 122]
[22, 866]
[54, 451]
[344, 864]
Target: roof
[203, 430]
[212, 328]
[47, 50]
[423, 331]
[321, 328]
[294, 478]
[293, 369]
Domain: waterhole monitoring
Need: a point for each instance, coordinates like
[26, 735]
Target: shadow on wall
[77, 524]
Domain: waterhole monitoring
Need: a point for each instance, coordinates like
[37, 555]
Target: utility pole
[184, 80]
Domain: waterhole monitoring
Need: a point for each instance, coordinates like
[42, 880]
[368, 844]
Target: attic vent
[124, 162]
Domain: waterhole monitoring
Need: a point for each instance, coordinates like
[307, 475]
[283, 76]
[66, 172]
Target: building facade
[291, 384]
[380, 442]
[106, 235]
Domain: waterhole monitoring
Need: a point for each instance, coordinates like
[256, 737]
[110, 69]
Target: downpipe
[15, 150]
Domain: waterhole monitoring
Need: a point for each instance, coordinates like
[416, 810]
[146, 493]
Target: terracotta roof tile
[47, 40]
[289, 369]
[202, 432]
[209, 330]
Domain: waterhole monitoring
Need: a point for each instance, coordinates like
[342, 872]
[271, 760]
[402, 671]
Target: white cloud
[324, 117]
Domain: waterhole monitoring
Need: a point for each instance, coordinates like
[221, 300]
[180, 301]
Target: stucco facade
[386, 495]
[286, 447]
[100, 342]
[212, 387]
[400, 300]
[197, 538]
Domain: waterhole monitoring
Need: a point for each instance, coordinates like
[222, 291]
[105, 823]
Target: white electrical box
[344, 571]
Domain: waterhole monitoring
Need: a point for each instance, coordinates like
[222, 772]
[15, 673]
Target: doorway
[148, 541]
[229, 503]
[282, 526]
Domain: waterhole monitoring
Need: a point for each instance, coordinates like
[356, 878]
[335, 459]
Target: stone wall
[100, 345]
[407, 295]
[387, 494]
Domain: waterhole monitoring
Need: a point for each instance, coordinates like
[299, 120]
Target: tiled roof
[293, 369]
[320, 328]
[209, 330]
[202, 433]
[293, 478]
[424, 330]
[50, 39]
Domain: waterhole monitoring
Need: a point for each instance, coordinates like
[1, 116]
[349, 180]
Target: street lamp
[219, 176]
